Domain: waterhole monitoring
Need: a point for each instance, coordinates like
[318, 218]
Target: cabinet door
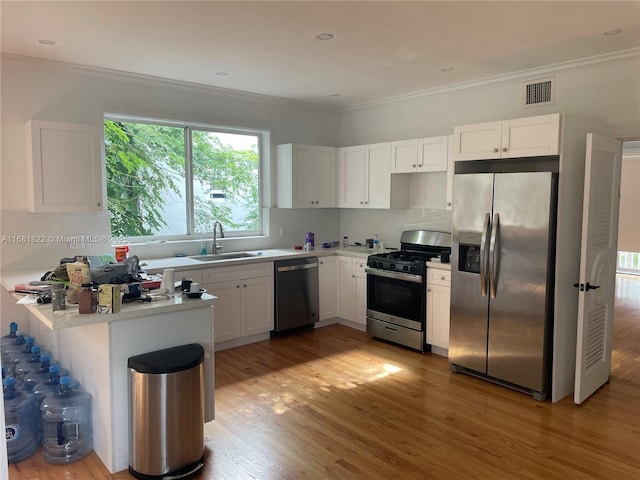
[325, 177]
[346, 289]
[351, 177]
[531, 136]
[303, 176]
[327, 277]
[378, 175]
[227, 322]
[404, 156]
[257, 305]
[450, 173]
[480, 141]
[438, 316]
[361, 290]
[433, 154]
[65, 167]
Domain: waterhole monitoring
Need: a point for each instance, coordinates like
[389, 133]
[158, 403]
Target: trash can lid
[169, 360]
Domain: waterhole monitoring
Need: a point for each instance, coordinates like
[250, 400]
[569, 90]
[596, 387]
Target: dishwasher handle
[298, 267]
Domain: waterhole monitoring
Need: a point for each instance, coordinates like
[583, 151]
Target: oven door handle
[396, 275]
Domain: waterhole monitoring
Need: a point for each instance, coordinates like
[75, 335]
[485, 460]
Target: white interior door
[597, 264]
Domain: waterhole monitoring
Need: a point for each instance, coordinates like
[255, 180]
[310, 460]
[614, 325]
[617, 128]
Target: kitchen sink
[223, 256]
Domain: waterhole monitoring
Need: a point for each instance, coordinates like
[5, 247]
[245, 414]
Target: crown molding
[622, 56]
[74, 68]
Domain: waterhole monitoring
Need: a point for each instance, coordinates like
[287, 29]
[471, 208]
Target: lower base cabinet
[328, 287]
[438, 307]
[245, 300]
[352, 289]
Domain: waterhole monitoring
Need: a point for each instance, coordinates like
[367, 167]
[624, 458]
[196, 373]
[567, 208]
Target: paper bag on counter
[79, 273]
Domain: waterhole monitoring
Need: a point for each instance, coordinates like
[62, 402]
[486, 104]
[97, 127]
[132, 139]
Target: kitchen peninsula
[95, 348]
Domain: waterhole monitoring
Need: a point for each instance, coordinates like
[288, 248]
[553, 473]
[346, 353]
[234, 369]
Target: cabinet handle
[413, 166]
[495, 150]
[448, 204]
[99, 204]
[244, 286]
[237, 286]
[428, 289]
[419, 165]
[504, 149]
[361, 203]
[353, 276]
[366, 203]
[443, 278]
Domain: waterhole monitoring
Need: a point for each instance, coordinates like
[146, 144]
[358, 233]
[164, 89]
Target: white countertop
[435, 263]
[71, 318]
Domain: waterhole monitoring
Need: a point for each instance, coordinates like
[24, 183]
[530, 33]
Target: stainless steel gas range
[397, 288]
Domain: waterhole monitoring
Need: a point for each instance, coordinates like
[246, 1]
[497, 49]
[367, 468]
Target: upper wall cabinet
[523, 137]
[365, 180]
[419, 155]
[306, 176]
[65, 167]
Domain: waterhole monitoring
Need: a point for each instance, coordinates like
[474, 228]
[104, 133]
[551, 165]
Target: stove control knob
[392, 266]
[406, 268]
[413, 269]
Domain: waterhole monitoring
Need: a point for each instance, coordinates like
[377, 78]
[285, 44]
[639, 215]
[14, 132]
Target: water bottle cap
[35, 349]
[55, 368]
[13, 327]
[29, 340]
[66, 380]
[7, 382]
[45, 358]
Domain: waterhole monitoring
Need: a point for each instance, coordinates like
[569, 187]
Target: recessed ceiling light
[446, 69]
[46, 42]
[324, 36]
[610, 33]
[222, 74]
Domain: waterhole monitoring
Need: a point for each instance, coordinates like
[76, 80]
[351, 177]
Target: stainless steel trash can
[166, 413]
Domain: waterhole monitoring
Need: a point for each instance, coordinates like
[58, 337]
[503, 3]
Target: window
[174, 180]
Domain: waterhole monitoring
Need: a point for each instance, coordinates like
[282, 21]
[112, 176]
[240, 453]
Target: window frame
[188, 128]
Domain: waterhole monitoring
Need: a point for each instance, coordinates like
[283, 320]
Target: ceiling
[379, 50]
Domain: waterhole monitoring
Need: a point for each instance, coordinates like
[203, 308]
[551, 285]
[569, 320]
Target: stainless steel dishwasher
[296, 292]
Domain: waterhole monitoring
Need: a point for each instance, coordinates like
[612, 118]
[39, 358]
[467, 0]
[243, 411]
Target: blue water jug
[67, 434]
[20, 422]
[11, 336]
[42, 374]
[24, 365]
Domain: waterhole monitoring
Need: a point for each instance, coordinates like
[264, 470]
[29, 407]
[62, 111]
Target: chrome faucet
[215, 238]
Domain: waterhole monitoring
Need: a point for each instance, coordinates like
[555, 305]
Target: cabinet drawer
[226, 274]
[438, 277]
[359, 264]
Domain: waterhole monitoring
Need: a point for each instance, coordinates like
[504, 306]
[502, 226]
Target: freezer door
[520, 286]
[469, 307]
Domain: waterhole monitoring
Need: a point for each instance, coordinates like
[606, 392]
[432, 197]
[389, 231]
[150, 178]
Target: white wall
[36, 89]
[609, 92]
[629, 226]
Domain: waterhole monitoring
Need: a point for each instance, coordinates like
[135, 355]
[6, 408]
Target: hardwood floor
[335, 404]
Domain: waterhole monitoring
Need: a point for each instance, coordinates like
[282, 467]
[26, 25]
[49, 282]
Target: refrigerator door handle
[493, 256]
[484, 264]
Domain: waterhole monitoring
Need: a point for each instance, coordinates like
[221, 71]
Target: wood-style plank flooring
[335, 404]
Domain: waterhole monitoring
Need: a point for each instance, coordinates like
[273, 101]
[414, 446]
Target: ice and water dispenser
[469, 253]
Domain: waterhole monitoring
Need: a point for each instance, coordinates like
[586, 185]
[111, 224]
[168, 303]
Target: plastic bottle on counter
[20, 422]
[376, 242]
[66, 424]
[24, 367]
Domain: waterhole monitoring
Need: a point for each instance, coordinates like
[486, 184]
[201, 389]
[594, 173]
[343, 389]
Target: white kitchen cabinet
[352, 289]
[328, 287]
[245, 299]
[365, 180]
[64, 167]
[438, 307]
[434, 189]
[522, 137]
[419, 155]
[306, 176]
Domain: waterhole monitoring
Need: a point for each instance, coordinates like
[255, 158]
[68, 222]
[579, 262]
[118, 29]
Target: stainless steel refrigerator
[502, 278]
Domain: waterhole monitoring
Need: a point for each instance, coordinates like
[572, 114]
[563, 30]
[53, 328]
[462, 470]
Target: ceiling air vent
[539, 92]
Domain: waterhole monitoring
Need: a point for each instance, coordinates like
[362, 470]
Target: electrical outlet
[282, 231]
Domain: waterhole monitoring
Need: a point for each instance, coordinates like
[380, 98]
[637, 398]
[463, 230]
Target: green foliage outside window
[146, 175]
